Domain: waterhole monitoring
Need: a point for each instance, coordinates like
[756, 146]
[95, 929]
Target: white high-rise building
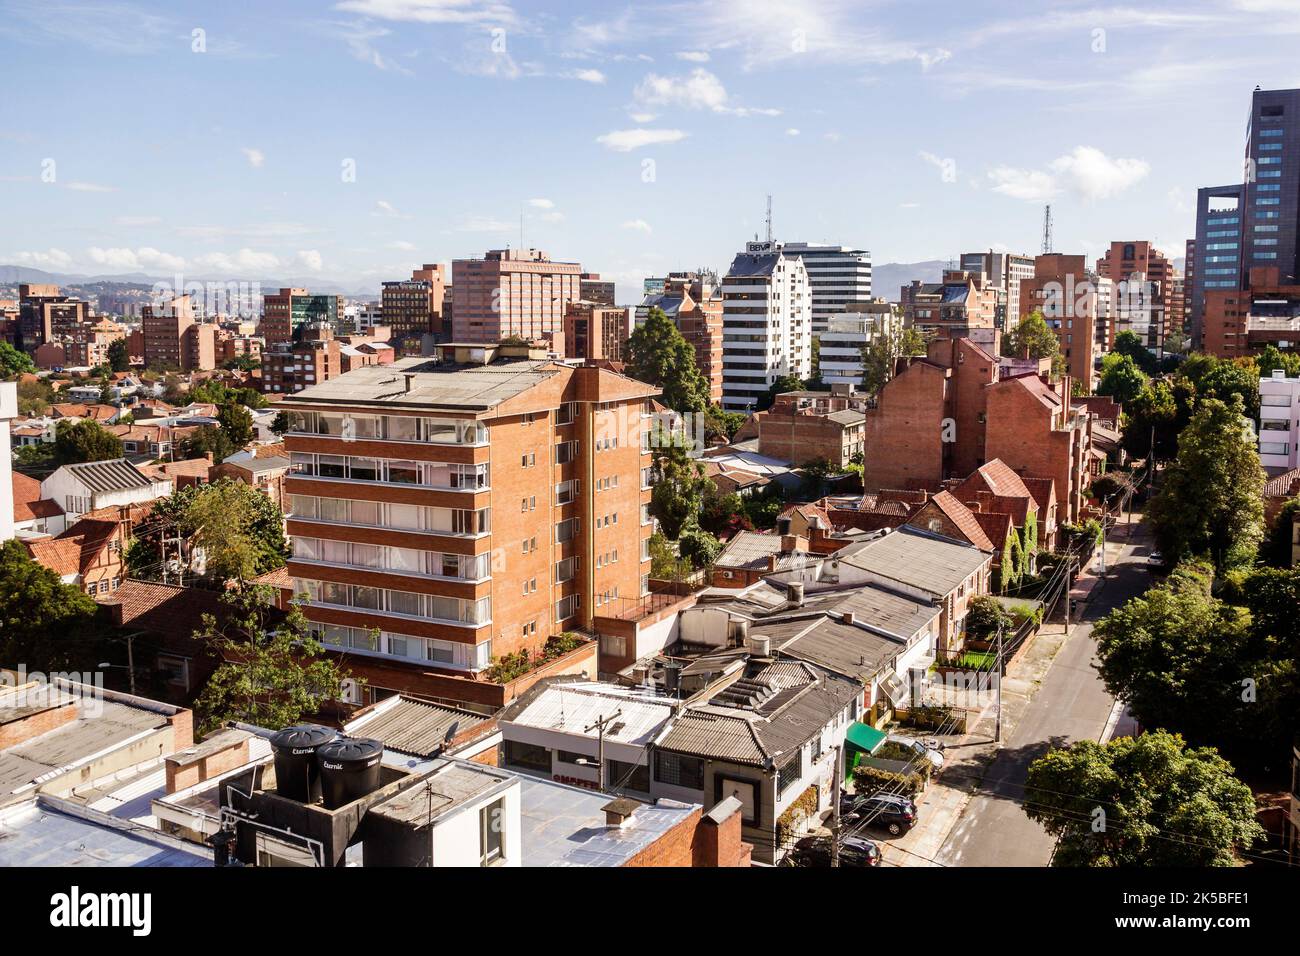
[8, 412]
[1004, 270]
[766, 323]
[837, 275]
[842, 342]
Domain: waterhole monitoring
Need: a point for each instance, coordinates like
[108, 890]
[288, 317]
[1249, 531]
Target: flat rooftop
[47, 833]
[469, 388]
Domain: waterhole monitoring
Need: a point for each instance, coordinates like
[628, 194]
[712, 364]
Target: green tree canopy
[119, 355]
[679, 489]
[659, 355]
[1272, 358]
[1211, 501]
[1141, 801]
[44, 623]
[237, 423]
[1130, 344]
[1031, 338]
[273, 673]
[14, 362]
[697, 545]
[881, 353]
[1121, 378]
[81, 440]
[1276, 549]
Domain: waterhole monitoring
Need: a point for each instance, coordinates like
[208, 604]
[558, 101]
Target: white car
[920, 749]
[1155, 560]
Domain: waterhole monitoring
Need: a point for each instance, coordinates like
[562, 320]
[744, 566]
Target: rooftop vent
[619, 813]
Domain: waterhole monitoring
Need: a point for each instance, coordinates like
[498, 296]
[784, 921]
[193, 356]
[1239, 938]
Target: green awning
[865, 737]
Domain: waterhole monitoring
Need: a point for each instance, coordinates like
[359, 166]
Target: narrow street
[1070, 704]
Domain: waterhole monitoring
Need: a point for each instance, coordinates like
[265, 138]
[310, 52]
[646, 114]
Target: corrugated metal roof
[919, 559]
[753, 264]
[718, 736]
[413, 726]
[117, 474]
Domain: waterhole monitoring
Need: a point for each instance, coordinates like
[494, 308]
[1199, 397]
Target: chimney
[783, 526]
[621, 812]
[409, 380]
[794, 593]
[760, 645]
[847, 618]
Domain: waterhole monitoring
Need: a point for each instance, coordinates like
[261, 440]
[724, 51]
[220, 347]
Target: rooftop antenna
[1047, 229]
[769, 219]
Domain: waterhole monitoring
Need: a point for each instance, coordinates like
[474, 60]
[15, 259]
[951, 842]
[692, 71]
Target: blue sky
[635, 138]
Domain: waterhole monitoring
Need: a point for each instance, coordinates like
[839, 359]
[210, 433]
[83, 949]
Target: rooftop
[412, 726]
[477, 388]
[117, 474]
[50, 832]
[917, 558]
[574, 707]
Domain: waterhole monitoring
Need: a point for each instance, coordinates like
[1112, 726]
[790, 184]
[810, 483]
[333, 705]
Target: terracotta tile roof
[60, 555]
[1043, 490]
[1279, 486]
[996, 526]
[995, 476]
[28, 503]
[166, 609]
[964, 519]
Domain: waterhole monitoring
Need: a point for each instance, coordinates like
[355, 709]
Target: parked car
[1155, 560]
[918, 748]
[816, 851]
[890, 812]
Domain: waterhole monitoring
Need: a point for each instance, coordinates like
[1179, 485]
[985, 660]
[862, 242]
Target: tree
[279, 424]
[815, 473]
[785, 383]
[1032, 338]
[1121, 378]
[1141, 801]
[985, 615]
[881, 353]
[14, 362]
[1238, 379]
[1276, 550]
[723, 514]
[1130, 345]
[273, 674]
[659, 355]
[718, 423]
[44, 623]
[679, 489]
[34, 397]
[119, 355]
[697, 545]
[237, 423]
[84, 440]
[1211, 502]
[1272, 358]
[1153, 411]
[209, 440]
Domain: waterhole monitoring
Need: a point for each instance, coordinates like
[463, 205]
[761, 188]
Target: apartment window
[566, 491]
[528, 504]
[530, 586]
[628, 776]
[565, 452]
[789, 773]
[528, 460]
[566, 607]
[566, 570]
[527, 756]
[566, 530]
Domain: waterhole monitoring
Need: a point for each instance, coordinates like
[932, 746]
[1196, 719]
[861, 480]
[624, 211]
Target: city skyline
[642, 152]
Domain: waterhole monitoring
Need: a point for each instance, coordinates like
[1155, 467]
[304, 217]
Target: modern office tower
[597, 290]
[287, 311]
[1066, 292]
[840, 356]
[960, 302]
[766, 323]
[593, 331]
[837, 275]
[1143, 279]
[174, 338]
[413, 308]
[45, 315]
[692, 302]
[512, 292]
[1004, 270]
[448, 512]
[1253, 224]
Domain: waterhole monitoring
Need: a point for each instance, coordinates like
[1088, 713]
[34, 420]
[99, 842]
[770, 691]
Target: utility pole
[599, 727]
[997, 727]
[835, 805]
[130, 662]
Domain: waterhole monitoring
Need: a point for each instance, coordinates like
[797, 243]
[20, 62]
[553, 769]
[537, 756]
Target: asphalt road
[1071, 704]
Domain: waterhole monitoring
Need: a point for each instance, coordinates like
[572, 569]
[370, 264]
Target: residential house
[32, 513]
[90, 486]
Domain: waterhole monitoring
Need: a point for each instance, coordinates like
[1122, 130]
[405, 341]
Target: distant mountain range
[889, 277]
[13, 275]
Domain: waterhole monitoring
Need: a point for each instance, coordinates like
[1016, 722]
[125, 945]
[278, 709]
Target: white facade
[8, 412]
[766, 325]
[842, 343]
[76, 497]
[1279, 421]
[837, 276]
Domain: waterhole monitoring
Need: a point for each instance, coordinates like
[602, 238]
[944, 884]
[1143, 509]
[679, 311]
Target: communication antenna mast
[1047, 229]
[769, 219]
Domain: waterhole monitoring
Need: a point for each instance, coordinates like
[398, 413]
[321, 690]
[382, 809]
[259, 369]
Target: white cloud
[134, 260]
[402, 245]
[245, 260]
[358, 37]
[586, 76]
[138, 220]
[792, 132]
[693, 56]
[541, 203]
[700, 90]
[432, 11]
[90, 187]
[386, 209]
[637, 225]
[309, 259]
[1086, 172]
[642, 117]
[254, 156]
[49, 259]
[626, 140]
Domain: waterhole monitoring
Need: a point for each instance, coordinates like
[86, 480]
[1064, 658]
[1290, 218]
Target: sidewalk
[968, 756]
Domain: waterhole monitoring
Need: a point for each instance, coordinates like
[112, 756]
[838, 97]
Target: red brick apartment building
[174, 338]
[692, 302]
[1238, 323]
[467, 507]
[1144, 291]
[511, 292]
[963, 300]
[593, 331]
[414, 307]
[1067, 295]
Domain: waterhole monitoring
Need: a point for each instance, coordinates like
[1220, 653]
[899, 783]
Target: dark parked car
[889, 811]
[816, 851]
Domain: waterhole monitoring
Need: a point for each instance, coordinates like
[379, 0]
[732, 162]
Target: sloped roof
[752, 549]
[117, 474]
[28, 503]
[61, 556]
[995, 476]
[1278, 486]
[413, 727]
[997, 525]
[962, 517]
[918, 558]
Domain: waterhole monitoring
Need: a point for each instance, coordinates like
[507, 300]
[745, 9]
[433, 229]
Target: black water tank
[349, 769]
[296, 773]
